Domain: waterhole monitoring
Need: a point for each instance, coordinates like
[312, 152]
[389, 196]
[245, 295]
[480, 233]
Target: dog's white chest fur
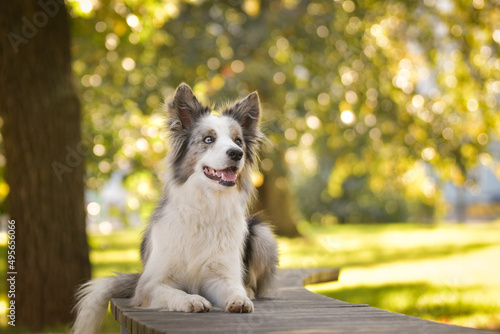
[198, 235]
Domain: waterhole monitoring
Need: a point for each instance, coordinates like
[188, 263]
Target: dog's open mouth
[225, 177]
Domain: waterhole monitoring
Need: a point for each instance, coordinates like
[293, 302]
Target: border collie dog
[200, 248]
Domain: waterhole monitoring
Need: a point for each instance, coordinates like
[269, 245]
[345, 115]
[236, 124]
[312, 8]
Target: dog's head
[216, 149]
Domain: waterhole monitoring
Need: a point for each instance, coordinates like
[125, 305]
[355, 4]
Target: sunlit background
[376, 111]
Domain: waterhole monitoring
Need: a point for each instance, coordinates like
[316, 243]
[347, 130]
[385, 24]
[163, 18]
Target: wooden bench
[296, 310]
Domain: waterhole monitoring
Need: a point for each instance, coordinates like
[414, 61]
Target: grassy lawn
[447, 273]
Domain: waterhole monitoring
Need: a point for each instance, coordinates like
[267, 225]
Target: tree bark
[44, 170]
[275, 198]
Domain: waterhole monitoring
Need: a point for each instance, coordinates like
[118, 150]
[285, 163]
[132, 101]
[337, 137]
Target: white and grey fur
[199, 248]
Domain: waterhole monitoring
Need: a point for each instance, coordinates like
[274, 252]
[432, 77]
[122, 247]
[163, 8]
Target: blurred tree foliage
[370, 105]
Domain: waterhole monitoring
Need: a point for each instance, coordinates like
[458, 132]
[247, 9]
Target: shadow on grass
[314, 255]
[385, 255]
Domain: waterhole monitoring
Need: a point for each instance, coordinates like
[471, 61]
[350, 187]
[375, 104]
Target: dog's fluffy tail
[93, 298]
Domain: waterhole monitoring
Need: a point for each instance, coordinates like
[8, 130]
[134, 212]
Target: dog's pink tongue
[229, 175]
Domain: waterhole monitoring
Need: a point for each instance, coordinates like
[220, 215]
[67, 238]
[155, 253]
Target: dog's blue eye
[238, 141]
[208, 140]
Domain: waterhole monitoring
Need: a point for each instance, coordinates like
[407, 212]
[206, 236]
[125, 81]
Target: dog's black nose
[234, 154]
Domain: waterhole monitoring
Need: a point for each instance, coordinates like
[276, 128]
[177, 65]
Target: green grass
[117, 252]
[447, 273]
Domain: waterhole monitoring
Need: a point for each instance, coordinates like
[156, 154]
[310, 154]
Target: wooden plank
[295, 310]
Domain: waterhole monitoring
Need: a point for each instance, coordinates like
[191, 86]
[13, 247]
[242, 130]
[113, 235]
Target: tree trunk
[275, 198]
[44, 170]
[461, 204]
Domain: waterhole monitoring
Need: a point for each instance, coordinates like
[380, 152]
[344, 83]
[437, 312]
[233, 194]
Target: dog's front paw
[239, 304]
[193, 303]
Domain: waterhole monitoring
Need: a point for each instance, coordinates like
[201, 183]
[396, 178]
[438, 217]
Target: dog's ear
[246, 112]
[185, 107]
